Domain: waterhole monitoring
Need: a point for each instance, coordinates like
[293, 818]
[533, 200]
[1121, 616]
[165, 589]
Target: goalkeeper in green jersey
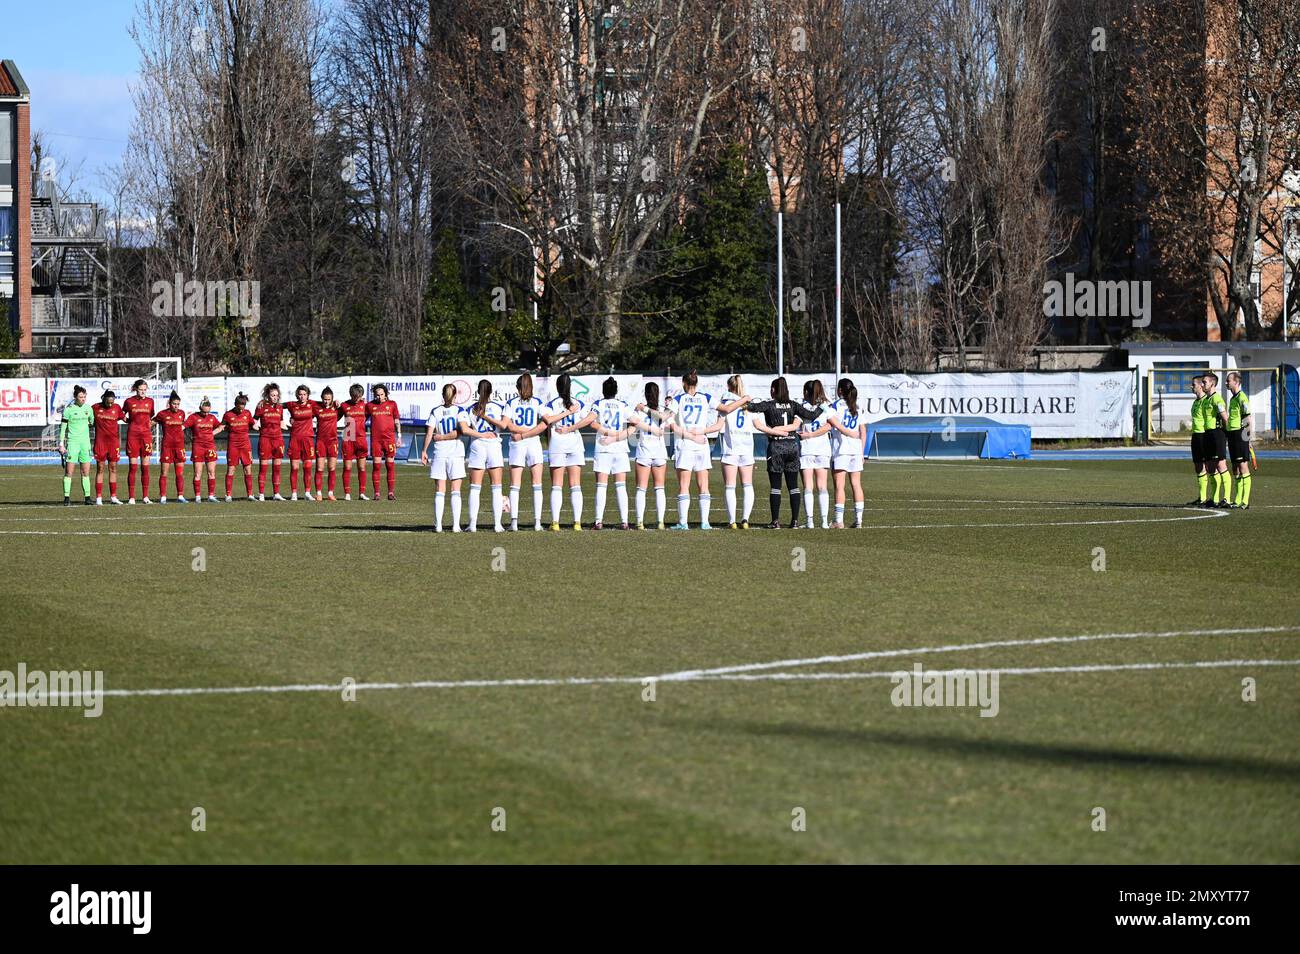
[74, 443]
[1240, 432]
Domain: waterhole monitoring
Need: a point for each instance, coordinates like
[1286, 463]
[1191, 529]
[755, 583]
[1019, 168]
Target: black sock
[774, 498]
[792, 481]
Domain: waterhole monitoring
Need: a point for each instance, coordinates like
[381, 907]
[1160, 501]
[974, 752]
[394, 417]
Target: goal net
[34, 391]
[1169, 398]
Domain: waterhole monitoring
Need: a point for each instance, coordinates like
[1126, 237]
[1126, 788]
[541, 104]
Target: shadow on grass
[1020, 751]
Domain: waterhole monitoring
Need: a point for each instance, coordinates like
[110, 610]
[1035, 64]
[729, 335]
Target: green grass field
[713, 769]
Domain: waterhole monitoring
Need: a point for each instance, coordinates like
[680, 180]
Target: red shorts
[239, 455]
[110, 455]
[202, 454]
[385, 446]
[328, 448]
[267, 449]
[354, 450]
[139, 443]
[302, 448]
[173, 455]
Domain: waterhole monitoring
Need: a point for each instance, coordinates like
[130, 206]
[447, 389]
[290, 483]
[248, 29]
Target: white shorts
[447, 468]
[484, 454]
[607, 462]
[814, 461]
[738, 460]
[651, 461]
[526, 453]
[689, 455]
[567, 458]
[851, 463]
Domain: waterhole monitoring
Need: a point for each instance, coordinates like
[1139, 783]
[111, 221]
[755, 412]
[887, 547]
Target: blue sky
[80, 62]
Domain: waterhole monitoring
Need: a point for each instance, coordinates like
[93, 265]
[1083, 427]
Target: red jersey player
[204, 427]
[327, 439]
[238, 423]
[139, 412]
[108, 448]
[385, 436]
[268, 421]
[354, 440]
[172, 420]
[302, 440]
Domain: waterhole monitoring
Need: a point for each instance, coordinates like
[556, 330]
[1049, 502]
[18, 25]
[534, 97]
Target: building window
[1175, 377]
[6, 149]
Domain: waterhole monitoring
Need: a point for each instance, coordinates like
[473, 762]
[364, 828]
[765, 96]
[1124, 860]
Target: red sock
[293, 479]
[331, 481]
[212, 485]
[318, 482]
[196, 486]
[261, 478]
[180, 481]
[374, 477]
[112, 487]
[230, 481]
[99, 486]
[248, 481]
[144, 484]
[347, 476]
[130, 477]
[275, 475]
[162, 483]
[391, 466]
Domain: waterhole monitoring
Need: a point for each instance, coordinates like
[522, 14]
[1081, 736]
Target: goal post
[1169, 397]
[34, 391]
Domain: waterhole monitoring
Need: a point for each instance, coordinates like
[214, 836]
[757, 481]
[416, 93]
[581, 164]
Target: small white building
[1165, 370]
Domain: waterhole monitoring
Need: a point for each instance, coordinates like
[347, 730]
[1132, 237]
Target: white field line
[958, 647]
[1195, 514]
[1020, 671]
[738, 673]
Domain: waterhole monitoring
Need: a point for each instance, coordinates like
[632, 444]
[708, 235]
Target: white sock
[808, 506]
[439, 508]
[730, 494]
[496, 505]
[824, 501]
[537, 504]
[455, 509]
[661, 502]
[601, 489]
[706, 502]
[475, 490]
[514, 503]
[557, 497]
[575, 501]
[683, 508]
[640, 505]
[620, 494]
[858, 508]
[747, 495]
[839, 513]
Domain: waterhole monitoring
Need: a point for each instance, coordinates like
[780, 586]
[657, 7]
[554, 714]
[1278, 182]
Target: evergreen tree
[460, 330]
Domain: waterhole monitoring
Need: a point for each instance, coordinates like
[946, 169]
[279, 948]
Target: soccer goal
[1169, 397]
[33, 392]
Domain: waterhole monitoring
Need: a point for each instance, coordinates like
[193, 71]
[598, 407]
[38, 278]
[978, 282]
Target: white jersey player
[486, 421]
[815, 450]
[563, 412]
[848, 441]
[613, 418]
[443, 431]
[693, 416]
[651, 455]
[526, 415]
[739, 427]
